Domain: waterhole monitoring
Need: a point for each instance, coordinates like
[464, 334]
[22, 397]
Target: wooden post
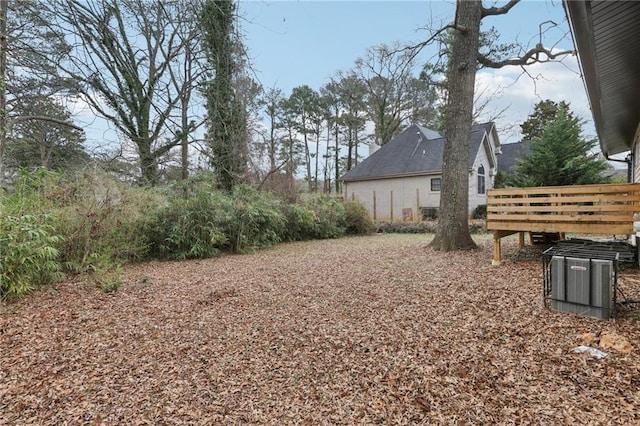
[521, 240]
[375, 215]
[391, 206]
[497, 253]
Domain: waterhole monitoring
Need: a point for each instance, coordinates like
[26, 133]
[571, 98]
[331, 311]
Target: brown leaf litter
[365, 330]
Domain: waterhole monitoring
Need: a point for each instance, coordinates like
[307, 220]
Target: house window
[435, 184]
[481, 180]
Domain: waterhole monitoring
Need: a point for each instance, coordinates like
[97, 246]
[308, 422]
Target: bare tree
[466, 56]
[3, 80]
[186, 76]
[394, 93]
[129, 57]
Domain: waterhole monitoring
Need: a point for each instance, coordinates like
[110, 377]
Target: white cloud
[520, 92]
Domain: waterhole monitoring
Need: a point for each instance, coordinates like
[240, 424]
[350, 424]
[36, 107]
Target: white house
[401, 180]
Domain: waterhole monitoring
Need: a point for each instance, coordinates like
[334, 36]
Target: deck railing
[594, 209]
[590, 209]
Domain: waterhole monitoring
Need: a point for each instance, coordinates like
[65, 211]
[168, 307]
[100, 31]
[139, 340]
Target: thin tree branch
[19, 119]
[503, 10]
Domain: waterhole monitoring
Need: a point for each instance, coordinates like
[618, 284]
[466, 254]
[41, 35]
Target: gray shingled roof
[415, 151]
[511, 153]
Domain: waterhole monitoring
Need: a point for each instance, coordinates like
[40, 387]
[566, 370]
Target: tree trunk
[337, 155]
[453, 222]
[326, 182]
[307, 158]
[315, 177]
[350, 149]
[148, 163]
[184, 142]
[4, 4]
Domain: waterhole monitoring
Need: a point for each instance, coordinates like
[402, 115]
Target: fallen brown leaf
[367, 330]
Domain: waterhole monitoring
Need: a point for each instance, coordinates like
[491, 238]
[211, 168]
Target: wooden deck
[590, 209]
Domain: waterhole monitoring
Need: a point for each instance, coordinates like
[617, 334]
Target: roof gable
[417, 150]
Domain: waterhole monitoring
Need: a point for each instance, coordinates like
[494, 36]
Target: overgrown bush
[300, 223]
[105, 221]
[329, 216]
[199, 221]
[259, 220]
[28, 254]
[90, 222]
[193, 222]
[358, 221]
[480, 212]
[99, 221]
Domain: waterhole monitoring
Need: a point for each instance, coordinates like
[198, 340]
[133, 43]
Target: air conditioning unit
[583, 286]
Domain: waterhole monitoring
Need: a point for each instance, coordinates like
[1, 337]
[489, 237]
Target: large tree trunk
[453, 223]
[337, 155]
[148, 163]
[4, 4]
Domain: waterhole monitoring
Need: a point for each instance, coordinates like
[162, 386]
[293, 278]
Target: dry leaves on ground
[377, 329]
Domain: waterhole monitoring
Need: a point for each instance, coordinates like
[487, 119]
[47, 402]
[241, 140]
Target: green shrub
[480, 212]
[96, 216]
[34, 192]
[406, 228]
[259, 221]
[300, 223]
[329, 216]
[29, 256]
[106, 274]
[194, 223]
[200, 221]
[477, 227]
[358, 221]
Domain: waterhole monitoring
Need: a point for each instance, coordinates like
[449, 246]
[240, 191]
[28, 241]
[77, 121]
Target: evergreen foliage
[559, 156]
[543, 113]
[193, 223]
[39, 143]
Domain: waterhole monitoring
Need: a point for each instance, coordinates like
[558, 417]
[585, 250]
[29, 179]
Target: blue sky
[292, 43]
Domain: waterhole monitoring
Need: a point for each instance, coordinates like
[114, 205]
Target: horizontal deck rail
[590, 209]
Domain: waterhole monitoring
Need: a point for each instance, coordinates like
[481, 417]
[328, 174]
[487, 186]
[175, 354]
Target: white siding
[393, 196]
[386, 199]
[476, 199]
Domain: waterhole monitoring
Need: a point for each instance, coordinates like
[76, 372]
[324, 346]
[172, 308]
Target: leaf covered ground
[368, 330]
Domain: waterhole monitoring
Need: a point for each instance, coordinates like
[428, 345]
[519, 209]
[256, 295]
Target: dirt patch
[365, 330]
